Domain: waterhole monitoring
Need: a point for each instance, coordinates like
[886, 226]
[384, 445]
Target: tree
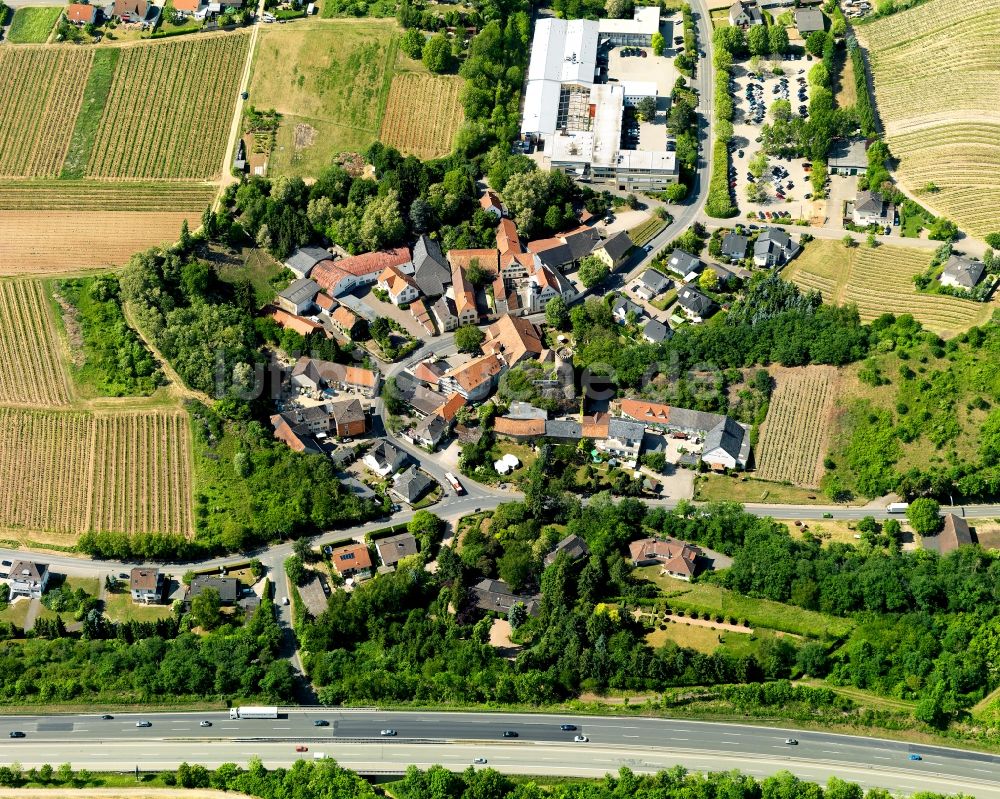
[758, 164]
[646, 109]
[757, 40]
[412, 43]
[756, 193]
[517, 615]
[556, 313]
[477, 275]
[848, 241]
[871, 240]
[523, 193]
[206, 609]
[658, 43]
[592, 271]
[468, 338]
[675, 192]
[924, 516]
[428, 529]
[777, 39]
[815, 43]
[708, 280]
[295, 570]
[437, 53]
[618, 9]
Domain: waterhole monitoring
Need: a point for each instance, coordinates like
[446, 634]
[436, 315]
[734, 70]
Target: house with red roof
[339, 277]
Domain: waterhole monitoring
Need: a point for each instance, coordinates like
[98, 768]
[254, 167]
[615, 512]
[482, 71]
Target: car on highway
[321, 723]
[107, 717]
[567, 727]
[17, 734]
[915, 757]
[479, 761]
[827, 515]
[580, 739]
[509, 734]
[5, 563]
[389, 733]
[204, 724]
[791, 742]
[301, 748]
[144, 724]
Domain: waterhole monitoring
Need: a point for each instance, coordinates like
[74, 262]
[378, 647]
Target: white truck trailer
[253, 713]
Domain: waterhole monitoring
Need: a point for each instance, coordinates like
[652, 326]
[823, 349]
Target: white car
[390, 733]
[580, 739]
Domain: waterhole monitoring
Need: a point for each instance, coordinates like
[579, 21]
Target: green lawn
[16, 612]
[329, 80]
[758, 612]
[120, 607]
[33, 25]
[717, 487]
[913, 219]
[263, 272]
[703, 639]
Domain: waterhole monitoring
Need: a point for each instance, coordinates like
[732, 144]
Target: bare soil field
[32, 373]
[61, 242]
[66, 472]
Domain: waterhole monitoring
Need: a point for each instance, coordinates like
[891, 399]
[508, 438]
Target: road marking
[830, 752]
[282, 728]
[737, 734]
[680, 739]
[630, 736]
[983, 770]
[880, 757]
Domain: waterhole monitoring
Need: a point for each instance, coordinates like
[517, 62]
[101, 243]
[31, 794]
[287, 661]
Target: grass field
[937, 83]
[168, 110]
[880, 280]
[32, 373]
[120, 607]
[423, 114]
[67, 242]
[67, 472]
[99, 195]
[644, 232]
[330, 81]
[95, 98]
[33, 25]
[717, 487]
[793, 437]
[42, 88]
[758, 612]
[702, 639]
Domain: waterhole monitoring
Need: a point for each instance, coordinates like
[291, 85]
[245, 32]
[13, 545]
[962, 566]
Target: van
[319, 755]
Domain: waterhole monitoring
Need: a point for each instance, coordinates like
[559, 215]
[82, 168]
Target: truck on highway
[897, 507]
[454, 483]
[253, 713]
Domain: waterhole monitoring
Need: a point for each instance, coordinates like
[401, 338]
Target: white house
[28, 578]
[400, 287]
[871, 209]
[146, 585]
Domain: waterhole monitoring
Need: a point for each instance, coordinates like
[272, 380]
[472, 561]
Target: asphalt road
[454, 739]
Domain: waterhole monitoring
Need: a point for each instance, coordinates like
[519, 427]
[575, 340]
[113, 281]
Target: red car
[301, 748]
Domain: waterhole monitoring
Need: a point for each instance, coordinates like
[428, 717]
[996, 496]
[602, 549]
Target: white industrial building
[579, 122]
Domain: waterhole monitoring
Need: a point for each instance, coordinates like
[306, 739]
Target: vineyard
[793, 437]
[68, 472]
[423, 114]
[57, 242]
[33, 373]
[880, 280]
[937, 81]
[168, 109]
[42, 88]
[96, 195]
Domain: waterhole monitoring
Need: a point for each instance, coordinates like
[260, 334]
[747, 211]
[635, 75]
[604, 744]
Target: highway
[455, 739]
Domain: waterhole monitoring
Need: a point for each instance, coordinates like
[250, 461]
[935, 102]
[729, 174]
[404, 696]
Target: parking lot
[785, 181]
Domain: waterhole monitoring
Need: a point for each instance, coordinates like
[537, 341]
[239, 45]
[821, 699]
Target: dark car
[509, 734]
[244, 95]
[567, 727]
[321, 723]
[107, 717]
[17, 734]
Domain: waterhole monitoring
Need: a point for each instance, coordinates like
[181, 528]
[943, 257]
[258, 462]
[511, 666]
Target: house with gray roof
[623, 306]
[298, 298]
[962, 273]
[655, 332]
[304, 260]
[432, 274]
[565, 429]
[430, 431]
[695, 305]
[809, 20]
[613, 251]
[734, 246]
[411, 485]
[848, 157]
[525, 410]
[495, 596]
[392, 549]
[28, 578]
[870, 208]
[385, 459]
[574, 547]
[684, 264]
[745, 14]
[774, 247]
[727, 445]
[651, 284]
[624, 439]
[228, 588]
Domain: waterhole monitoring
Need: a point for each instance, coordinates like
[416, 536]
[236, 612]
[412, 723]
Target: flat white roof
[610, 101]
[541, 107]
[634, 160]
[639, 88]
[573, 148]
[564, 50]
[646, 21]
